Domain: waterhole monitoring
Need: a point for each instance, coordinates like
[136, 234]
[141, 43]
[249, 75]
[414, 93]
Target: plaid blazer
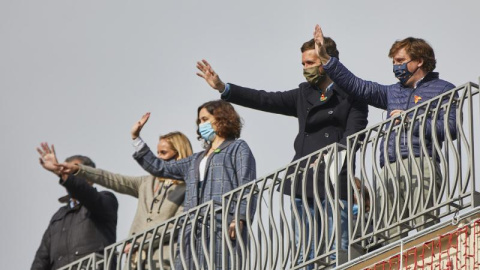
[231, 165]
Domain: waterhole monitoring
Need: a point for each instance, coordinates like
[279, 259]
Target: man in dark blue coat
[87, 224]
[413, 65]
[325, 113]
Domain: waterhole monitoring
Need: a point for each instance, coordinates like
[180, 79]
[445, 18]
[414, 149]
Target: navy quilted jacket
[396, 97]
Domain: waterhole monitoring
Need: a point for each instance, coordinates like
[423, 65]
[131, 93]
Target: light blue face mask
[355, 209]
[206, 131]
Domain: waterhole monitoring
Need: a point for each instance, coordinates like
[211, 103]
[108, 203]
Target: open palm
[48, 158]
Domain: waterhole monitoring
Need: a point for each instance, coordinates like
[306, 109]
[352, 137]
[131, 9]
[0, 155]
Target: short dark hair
[330, 47]
[83, 159]
[228, 122]
[417, 49]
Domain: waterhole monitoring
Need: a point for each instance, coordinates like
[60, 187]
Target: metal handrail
[267, 221]
[395, 211]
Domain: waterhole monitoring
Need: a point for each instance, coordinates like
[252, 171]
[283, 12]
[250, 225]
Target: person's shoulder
[304, 86]
[59, 213]
[240, 144]
[107, 193]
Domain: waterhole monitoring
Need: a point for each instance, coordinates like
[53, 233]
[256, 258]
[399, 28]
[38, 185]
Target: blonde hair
[179, 143]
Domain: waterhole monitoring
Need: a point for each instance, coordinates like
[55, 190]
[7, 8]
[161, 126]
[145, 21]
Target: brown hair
[179, 143]
[228, 122]
[417, 49]
[330, 47]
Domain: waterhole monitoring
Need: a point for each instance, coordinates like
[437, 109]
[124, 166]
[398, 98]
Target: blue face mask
[402, 73]
[355, 209]
[206, 131]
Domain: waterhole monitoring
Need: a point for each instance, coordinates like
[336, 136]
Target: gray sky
[79, 73]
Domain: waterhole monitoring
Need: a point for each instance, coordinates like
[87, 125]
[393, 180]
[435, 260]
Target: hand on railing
[231, 229]
[397, 112]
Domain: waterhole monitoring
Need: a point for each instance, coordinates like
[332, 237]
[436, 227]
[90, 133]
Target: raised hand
[48, 158]
[319, 48]
[207, 72]
[137, 127]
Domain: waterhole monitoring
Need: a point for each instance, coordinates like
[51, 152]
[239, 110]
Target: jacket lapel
[207, 165]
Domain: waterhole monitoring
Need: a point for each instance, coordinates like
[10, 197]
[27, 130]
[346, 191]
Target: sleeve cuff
[138, 144]
[226, 91]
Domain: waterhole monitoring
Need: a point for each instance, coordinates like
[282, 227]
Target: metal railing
[428, 173]
[92, 261]
[186, 238]
[432, 178]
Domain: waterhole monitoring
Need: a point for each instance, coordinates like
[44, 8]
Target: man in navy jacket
[326, 114]
[413, 65]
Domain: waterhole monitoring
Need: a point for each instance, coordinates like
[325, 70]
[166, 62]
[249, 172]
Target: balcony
[400, 213]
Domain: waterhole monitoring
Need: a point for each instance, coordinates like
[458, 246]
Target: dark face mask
[313, 75]
[401, 72]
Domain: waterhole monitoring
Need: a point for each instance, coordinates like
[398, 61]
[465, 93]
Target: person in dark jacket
[326, 114]
[87, 224]
[413, 65]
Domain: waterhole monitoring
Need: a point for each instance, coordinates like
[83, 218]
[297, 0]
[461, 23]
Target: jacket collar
[222, 146]
[313, 95]
[427, 79]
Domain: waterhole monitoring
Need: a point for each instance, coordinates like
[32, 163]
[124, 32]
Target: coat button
[60, 258]
[155, 201]
[330, 112]
[305, 133]
[327, 135]
[149, 220]
[63, 229]
[76, 252]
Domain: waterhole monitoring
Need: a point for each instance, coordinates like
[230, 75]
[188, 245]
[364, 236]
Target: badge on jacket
[417, 98]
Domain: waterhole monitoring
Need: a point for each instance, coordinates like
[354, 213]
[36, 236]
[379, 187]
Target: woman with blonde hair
[159, 198]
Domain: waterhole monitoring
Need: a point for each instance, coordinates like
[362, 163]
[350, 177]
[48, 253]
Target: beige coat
[152, 209]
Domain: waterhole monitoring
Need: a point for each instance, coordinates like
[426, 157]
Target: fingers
[144, 119]
[53, 150]
[395, 112]
[127, 248]
[318, 35]
[231, 230]
[45, 148]
[205, 68]
[40, 151]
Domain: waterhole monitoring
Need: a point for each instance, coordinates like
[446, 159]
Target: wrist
[220, 87]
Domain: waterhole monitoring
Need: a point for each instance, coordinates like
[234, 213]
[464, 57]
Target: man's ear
[420, 63]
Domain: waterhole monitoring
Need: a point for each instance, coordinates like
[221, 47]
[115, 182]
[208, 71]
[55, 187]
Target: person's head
[174, 145]
[312, 66]
[221, 117]
[412, 58]
[79, 159]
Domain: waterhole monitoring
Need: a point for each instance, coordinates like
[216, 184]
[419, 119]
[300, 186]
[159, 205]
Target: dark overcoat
[321, 121]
